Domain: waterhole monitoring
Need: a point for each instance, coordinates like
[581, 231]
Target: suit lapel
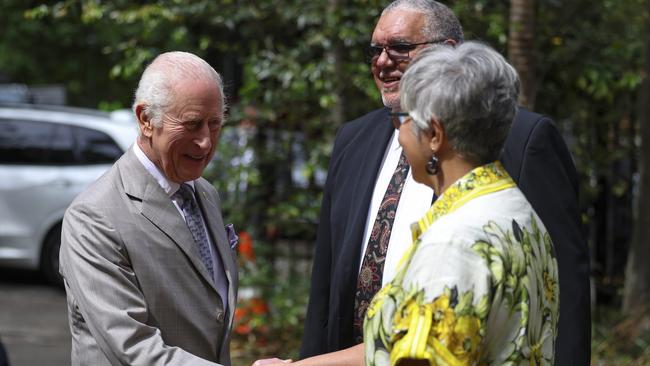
[158, 208]
[371, 146]
[371, 155]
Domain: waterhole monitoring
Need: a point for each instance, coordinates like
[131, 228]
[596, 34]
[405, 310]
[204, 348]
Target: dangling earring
[432, 165]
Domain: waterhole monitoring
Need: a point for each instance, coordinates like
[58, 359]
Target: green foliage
[621, 339]
[59, 49]
[592, 75]
[275, 328]
[589, 69]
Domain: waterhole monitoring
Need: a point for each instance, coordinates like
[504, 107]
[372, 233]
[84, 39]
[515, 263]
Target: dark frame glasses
[399, 118]
[396, 51]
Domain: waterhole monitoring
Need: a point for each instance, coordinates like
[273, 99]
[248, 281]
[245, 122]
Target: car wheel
[50, 257]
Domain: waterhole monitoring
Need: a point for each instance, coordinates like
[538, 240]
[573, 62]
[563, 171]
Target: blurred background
[294, 71]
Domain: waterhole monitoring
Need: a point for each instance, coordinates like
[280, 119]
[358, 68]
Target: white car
[48, 155]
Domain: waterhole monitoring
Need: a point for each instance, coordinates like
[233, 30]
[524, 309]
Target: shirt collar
[394, 143]
[167, 185]
[479, 181]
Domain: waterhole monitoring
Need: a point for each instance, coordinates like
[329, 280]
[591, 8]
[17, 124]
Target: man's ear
[437, 135]
[144, 121]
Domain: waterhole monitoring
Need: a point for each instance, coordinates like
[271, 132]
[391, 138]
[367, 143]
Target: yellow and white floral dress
[478, 286]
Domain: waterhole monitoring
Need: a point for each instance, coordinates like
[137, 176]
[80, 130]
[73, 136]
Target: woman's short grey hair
[470, 89]
[440, 23]
[156, 86]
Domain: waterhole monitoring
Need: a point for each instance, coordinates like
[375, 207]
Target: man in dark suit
[364, 156]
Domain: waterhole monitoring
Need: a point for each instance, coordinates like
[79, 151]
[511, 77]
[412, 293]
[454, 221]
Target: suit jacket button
[220, 316]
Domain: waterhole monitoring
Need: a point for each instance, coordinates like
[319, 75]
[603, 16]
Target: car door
[31, 188]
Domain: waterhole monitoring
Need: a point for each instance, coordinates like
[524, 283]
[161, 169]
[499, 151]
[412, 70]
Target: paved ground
[33, 320]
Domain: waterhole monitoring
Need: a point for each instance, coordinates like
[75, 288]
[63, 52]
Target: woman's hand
[271, 362]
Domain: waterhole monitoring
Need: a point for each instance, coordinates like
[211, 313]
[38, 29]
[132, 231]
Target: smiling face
[396, 26]
[184, 145]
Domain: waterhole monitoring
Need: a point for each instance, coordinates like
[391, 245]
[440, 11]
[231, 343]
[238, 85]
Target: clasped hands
[271, 362]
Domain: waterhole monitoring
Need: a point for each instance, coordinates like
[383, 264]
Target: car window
[25, 142]
[42, 143]
[61, 147]
[95, 147]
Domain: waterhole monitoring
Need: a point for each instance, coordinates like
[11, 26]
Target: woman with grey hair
[479, 285]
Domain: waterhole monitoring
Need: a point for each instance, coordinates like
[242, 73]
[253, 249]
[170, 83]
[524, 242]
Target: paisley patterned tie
[372, 267]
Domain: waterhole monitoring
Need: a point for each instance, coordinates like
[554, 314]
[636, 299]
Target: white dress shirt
[413, 204]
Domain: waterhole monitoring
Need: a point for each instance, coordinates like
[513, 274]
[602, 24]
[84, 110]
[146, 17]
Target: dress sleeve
[487, 293]
[441, 317]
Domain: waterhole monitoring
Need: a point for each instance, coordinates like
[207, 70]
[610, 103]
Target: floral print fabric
[478, 286]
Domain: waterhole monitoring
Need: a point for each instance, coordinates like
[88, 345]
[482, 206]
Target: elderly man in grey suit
[149, 272]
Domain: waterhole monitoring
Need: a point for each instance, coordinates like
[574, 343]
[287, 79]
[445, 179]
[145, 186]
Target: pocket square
[233, 239]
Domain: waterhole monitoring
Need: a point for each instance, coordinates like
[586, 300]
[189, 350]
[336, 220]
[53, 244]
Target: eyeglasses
[399, 118]
[397, 51]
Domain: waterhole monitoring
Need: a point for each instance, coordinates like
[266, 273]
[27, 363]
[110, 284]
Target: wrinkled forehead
[400, 26]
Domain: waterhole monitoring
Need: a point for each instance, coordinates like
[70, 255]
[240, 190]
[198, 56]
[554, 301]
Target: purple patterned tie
[372, 267]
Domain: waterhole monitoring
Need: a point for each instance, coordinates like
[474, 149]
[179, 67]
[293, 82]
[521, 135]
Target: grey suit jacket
[138, 293]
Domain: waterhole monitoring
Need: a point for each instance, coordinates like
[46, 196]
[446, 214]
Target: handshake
[271, 362]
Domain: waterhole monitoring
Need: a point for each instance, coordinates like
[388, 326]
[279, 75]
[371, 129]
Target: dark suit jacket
[536, 157]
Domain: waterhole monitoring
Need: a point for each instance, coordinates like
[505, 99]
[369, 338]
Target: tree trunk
[521, 47]
[637, 274]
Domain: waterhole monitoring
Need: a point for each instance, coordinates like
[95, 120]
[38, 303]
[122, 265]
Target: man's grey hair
[470, 89]
[440, 23]
[156, 87]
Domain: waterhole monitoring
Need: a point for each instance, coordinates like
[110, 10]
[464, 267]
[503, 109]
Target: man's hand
[270, 361]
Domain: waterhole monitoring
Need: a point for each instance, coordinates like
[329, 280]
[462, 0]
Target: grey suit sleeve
[104, 294]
